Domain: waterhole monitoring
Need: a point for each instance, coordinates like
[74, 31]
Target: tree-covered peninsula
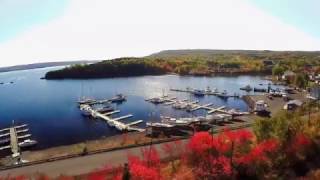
[192, 62]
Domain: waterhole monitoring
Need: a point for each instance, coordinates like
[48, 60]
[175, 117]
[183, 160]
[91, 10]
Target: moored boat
[247, 88]
[27, 143]
[118, 98]
[198, 92]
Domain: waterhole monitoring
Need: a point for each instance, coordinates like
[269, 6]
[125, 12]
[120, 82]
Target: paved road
[80, 165]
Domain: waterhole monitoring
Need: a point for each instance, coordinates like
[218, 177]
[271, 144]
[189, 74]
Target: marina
[191, 106]
[65, 119]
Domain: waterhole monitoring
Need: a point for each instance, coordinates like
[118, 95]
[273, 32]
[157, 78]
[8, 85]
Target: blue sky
[304, 14]
[17, 16]
[33, 31]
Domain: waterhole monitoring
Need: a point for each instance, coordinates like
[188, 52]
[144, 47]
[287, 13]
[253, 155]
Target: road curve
[80, 165]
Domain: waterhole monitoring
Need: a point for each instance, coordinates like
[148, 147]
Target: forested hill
[192, 62]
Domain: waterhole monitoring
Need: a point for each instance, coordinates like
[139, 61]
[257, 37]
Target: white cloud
[100, 29]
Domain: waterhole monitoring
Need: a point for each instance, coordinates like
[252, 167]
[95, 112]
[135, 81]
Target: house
[293, 104]
[268, 63]
[288, 76]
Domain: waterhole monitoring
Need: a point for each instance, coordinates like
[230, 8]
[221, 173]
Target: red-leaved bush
[299, 143]
[147, 168]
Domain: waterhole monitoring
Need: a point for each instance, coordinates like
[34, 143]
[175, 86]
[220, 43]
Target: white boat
[224, 94]
[235, 112]
[85, 100]
[216, 118]
[111, 123]
[85, 110]
[180, 121]
[118, 98]
[177, 105]
[156, 100]
[159, 125]
[208, 90]
[247, 88]
[215, 90]
[27, 143]
[189, 107]
[104, 109]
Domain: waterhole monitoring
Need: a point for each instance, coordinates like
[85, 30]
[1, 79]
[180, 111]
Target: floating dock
[210, 109]
[114, 122]
[13, 136]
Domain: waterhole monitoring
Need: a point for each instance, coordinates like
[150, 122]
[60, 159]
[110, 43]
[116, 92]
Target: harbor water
[49, 106]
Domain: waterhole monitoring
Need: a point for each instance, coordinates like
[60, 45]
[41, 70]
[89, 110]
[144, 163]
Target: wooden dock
[115, 122]
[13, 137]
[14, 141]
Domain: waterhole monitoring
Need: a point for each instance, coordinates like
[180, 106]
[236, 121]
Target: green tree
[301, 81]
[278, 70]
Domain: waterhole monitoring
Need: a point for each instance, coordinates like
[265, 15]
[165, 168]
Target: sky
[33, 31]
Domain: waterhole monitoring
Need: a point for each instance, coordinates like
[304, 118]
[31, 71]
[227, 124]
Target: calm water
[50, 109]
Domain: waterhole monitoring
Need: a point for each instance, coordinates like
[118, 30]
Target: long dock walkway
[116, 121]
[14, 141]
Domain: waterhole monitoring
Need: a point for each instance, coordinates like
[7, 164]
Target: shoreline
[212, 74]
[102, 145]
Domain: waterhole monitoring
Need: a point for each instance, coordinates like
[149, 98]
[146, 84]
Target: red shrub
[96, 176]
[200, 142]
[239, 137]
[150, 157]
[147, 168]
[299, 143]
[139, 171]
[214, 168]
[259, 153]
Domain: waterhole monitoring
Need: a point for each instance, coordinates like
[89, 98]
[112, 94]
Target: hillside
[209, 52]
[193, 62]
[42, 65]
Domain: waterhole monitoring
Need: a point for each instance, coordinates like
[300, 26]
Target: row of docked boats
[105, 108]
[208, 91]
[116, 99]
[101, 106]
[169, 122]
[248, 88]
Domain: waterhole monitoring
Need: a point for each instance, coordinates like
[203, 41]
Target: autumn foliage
[227, 155]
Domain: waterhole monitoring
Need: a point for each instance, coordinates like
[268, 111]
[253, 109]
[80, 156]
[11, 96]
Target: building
[292, 105]
[288, 76]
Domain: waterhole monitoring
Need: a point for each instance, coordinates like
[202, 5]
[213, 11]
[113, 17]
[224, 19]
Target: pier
[114, 122]
[210, 109]
[13, 136]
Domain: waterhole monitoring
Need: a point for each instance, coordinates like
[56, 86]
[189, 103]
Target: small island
[193, 62]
